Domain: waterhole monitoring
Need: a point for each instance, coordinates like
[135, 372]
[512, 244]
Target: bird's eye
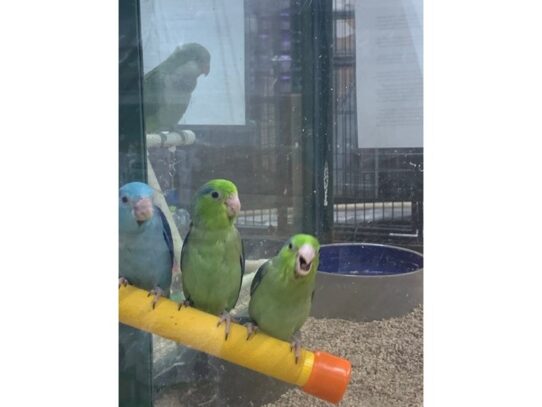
[124, 199]
[214, 194]
[290, 246]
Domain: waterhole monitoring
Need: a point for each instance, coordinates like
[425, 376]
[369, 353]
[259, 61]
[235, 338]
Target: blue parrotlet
[145, 242]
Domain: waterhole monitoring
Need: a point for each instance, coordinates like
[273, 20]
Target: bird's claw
[295, 346]
[123, 282]
[157, 292]
[251, 329]
[225, 317]
[185, 303]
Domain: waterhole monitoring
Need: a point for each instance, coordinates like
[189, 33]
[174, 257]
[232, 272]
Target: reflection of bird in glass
[168, 87]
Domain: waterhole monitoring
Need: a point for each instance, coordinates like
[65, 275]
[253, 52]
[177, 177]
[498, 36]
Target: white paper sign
[218, 25]
[389, 73]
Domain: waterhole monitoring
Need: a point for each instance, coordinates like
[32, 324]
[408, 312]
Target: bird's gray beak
[234, 205]
[206, 69]
[142, 210]
[305, 256]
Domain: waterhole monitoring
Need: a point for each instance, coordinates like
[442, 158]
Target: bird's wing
[152, 96]
[258, 277]
[242, 261]
[166, 233]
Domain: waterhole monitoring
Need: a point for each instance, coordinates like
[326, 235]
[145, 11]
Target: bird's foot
[185, 303]
[295, 346]
[225, 317]
[157, 292]
[123, 282]
[251, 329]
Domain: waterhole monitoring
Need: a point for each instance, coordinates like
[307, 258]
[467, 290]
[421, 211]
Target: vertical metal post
[135, 347]
[132, 146]
[324, 118]
[315, 19]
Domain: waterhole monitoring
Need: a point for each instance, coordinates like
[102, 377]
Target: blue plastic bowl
[366, 282]
[368, 259]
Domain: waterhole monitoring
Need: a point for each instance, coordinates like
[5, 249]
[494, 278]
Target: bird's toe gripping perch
[318, 373]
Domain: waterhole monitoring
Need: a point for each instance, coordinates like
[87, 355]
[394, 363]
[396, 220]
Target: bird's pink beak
[234, 205]
[206, 69]
[143, 210]
[305, 256]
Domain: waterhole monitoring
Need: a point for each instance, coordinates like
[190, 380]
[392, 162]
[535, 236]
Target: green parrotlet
[282, 290]
[212, 258]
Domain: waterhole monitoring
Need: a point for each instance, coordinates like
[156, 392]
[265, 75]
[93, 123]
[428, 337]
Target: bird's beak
[234, 205]
[142, 210]
[305, 256]
[206, 69]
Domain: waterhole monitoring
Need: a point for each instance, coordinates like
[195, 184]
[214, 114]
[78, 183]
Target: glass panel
[313, 109]
[378, 154]
[223, 99]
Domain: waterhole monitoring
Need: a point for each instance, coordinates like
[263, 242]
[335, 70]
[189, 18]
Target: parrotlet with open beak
[282, 291]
